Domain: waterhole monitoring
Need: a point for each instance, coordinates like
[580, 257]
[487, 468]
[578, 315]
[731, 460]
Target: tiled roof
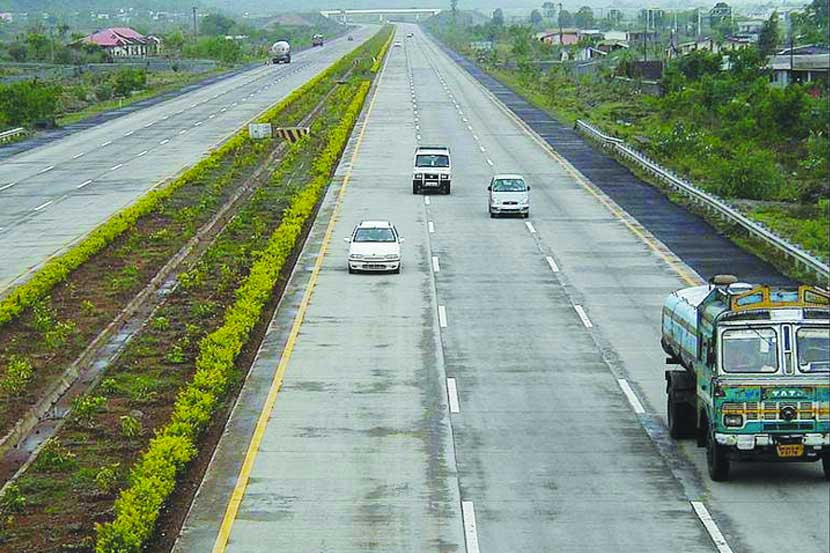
[115, 36]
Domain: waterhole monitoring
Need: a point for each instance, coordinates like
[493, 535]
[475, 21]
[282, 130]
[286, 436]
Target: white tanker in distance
[281, 52]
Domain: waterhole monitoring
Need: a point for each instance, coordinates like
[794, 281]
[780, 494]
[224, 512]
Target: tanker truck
[752, 381]
[281, 52]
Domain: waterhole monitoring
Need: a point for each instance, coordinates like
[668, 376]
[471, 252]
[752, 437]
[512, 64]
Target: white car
[508, 195]
[397, 44]
[374, 246]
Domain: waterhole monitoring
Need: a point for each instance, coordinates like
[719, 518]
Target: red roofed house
[123, 42]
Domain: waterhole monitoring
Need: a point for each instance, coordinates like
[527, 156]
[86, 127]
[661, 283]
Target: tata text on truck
[755, 378]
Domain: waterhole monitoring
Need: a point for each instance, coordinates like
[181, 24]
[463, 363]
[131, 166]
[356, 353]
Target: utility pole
[195, 27]
[645, 38]
[561, 45]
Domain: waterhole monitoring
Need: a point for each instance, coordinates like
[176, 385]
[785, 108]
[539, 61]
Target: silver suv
[432, 169]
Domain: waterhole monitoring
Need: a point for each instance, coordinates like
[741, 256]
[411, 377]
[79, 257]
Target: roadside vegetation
[53, 79]
[719, 121]
[102, 482]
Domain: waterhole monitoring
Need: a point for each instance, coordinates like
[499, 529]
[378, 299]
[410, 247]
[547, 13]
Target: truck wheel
[351, 271]
[415, 188]
[447, 189]
[716, 460]
[825, 464]
[681, 417]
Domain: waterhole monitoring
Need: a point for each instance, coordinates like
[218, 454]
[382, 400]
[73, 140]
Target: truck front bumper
[775, 447]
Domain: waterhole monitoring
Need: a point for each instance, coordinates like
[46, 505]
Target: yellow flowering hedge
[153, 479]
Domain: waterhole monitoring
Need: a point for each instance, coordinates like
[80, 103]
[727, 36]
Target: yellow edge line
[259, 431]
[692, 280]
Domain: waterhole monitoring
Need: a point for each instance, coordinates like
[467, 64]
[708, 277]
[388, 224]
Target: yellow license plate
[790, 450]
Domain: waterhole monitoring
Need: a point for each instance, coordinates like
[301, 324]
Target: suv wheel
[415, 188]
[447, 188]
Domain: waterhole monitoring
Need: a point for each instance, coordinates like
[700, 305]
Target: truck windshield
[813, 349]
[750, 350]
[430, 160]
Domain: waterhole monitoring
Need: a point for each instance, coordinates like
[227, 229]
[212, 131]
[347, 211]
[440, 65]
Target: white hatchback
[508, 195]
[374, 246]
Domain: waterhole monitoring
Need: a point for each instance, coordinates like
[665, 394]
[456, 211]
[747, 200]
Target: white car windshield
[813, 349]
[374, 235]
[509, 185]
[750, 350]
[431, 160]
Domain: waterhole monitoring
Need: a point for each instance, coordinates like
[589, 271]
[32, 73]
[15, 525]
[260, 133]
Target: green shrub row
[56, 270]
[153, 478]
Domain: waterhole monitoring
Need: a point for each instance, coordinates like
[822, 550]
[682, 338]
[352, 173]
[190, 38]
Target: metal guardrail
[11, 133]
[711, 203]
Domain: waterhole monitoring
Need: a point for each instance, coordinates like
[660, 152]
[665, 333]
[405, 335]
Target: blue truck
[753, 382]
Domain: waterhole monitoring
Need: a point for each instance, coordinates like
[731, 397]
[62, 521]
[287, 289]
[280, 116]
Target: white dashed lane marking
[452, 395]
[468, 513]
[436, 267]
[631, 396]
[43, 205]
[553, 266]
[442, 316]
[583, 316]
[530, 227]
[709, 523]
[431, 227]
[85, 183]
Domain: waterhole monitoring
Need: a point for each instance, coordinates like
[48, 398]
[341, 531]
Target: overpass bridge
[383, 14]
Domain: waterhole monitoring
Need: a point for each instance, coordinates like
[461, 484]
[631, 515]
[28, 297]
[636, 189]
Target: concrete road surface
[503, 394]
[54, 194]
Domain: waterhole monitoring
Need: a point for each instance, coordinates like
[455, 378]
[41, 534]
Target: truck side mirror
[528, 188]
[490, 188]
[347, 240]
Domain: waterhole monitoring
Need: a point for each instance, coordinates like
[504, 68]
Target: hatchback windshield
[753, 350]
[509, 185]
[432, 161]
[813, 349]
[374, 235]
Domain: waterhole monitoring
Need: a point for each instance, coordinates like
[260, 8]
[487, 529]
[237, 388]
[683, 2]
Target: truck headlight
[445, 177]
[419, 175]
[733, 420]
[355, 257]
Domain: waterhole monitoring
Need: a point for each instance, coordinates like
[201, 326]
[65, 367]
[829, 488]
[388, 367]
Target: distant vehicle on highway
[374, 246]
[397, 44]
[281, 52]
[410, 35]
[508, 195]
[752, 382]
[317, 40]
[350, 38]
[432, 170]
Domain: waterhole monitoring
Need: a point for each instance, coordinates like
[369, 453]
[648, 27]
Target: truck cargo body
[756, 378]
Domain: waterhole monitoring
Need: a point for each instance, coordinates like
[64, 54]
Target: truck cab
[432, 169]
[755, 384]
[317, 40]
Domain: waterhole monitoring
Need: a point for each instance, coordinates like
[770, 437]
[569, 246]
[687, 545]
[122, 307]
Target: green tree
[28, 103]
[566, 19]
[128, 80]
[536, 18]
[768, 39]
[216, 24]
[454, 7]
[498, 17]
[584, 18]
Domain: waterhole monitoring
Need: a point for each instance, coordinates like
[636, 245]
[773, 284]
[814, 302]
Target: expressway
[503, 394]
[54, 194]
